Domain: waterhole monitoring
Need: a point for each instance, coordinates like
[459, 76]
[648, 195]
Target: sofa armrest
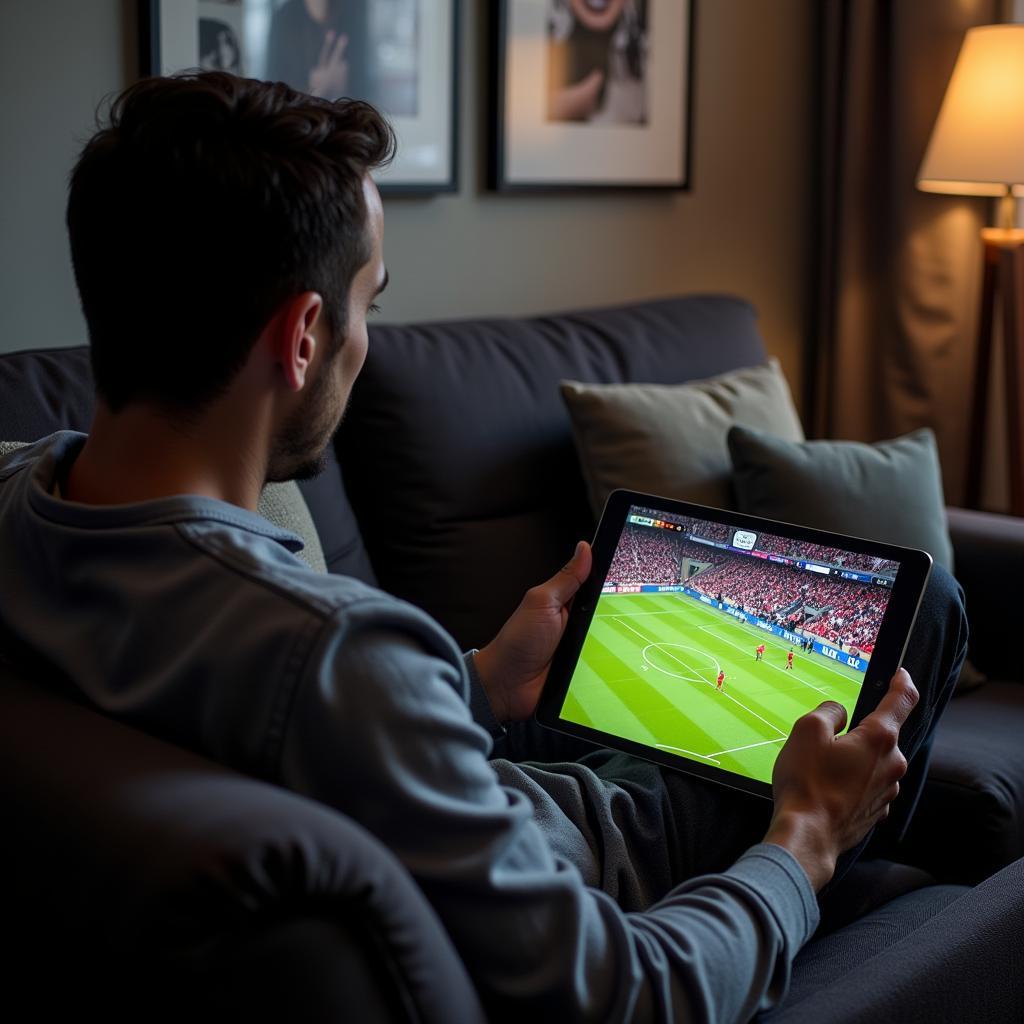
[988, 550]
[963, 963]
[199, 886]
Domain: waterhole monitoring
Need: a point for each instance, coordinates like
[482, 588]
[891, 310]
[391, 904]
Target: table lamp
[977, 149]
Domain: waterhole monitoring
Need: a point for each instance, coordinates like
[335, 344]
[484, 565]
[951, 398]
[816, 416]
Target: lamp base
[1002, 282]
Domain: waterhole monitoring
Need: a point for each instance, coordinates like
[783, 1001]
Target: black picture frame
[428, 144]
[507, 125]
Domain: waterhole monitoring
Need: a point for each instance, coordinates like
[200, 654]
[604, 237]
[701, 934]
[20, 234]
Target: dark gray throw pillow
[890, 491]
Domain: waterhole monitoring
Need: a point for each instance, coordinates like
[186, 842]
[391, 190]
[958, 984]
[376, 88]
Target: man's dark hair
[205, 202]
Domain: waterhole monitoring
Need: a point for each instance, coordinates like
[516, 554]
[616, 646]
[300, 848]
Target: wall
[57, 61]
[744, 227]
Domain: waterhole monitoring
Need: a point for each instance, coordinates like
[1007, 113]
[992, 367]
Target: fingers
[560, 589]
[896, 705]
[578, 100]
[579, 564]
[834, 715]
[325, 50]
[590, 86]
[570, 577]
[338, 53]
[880, 810]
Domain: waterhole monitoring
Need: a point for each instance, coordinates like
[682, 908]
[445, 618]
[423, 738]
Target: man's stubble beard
[301, 448]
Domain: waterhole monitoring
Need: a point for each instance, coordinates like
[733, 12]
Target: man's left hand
[514, 665]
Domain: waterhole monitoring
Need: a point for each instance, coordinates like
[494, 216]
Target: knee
[944, 600]
[940, 635]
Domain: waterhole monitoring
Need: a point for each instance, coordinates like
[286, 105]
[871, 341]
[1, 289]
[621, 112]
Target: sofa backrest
[45, 390]
[457, 451]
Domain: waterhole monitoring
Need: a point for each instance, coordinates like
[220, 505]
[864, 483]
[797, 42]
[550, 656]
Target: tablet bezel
[886, 658]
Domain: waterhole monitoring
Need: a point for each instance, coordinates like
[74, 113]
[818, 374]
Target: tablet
[702, 635]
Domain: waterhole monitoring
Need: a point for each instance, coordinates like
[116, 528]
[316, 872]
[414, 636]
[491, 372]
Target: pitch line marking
[708, 629]
[679, 661]
[646, 640]
[749, 746]
[753, 631]
[695, 678]
[693, 753]
[632, 615]
[750, 630]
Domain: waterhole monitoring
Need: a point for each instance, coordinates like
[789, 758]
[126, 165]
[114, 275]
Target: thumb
[560, 589]
[834, 713]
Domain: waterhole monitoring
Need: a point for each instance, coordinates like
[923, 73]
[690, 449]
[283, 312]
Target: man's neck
[140, 454]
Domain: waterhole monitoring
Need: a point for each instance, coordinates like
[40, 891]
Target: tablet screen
[708, 641]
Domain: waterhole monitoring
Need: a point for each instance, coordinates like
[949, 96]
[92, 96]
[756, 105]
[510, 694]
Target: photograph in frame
[399, 55]
[591, 94]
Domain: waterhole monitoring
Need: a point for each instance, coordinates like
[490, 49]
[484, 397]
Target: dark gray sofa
[460, 489]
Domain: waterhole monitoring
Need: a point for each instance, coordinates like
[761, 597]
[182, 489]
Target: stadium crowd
[837, 611]
[761, 588]
[646, 555]
[820, 553]
[853, 616]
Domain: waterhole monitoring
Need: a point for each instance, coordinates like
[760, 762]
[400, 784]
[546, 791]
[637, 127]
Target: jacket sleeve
[380, 729]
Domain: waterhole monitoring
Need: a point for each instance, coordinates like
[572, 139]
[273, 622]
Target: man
[789, 659]
[180, 610]
[759, 652]
[721, 679]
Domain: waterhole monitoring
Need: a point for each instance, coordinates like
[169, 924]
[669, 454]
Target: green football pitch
[648, 669]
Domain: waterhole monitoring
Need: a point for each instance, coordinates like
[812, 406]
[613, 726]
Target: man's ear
[294, 340]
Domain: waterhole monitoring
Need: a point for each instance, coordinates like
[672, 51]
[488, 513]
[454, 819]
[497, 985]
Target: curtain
[898, 270]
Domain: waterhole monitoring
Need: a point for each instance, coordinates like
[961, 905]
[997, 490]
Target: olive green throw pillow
[670, 439]
[890, 491]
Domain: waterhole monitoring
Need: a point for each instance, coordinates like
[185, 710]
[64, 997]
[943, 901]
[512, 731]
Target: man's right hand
[831, 790]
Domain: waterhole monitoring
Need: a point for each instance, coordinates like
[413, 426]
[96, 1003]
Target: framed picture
[591, 94]
[400, 55]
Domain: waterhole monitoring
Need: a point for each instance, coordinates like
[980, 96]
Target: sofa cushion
[937, 954]
[47, 390]
[670, 439]
[839, 955]
[890, 491]
[458, 453]
[970, 819]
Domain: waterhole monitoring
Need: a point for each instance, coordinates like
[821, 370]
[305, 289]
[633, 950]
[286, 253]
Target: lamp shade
[977, 144]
